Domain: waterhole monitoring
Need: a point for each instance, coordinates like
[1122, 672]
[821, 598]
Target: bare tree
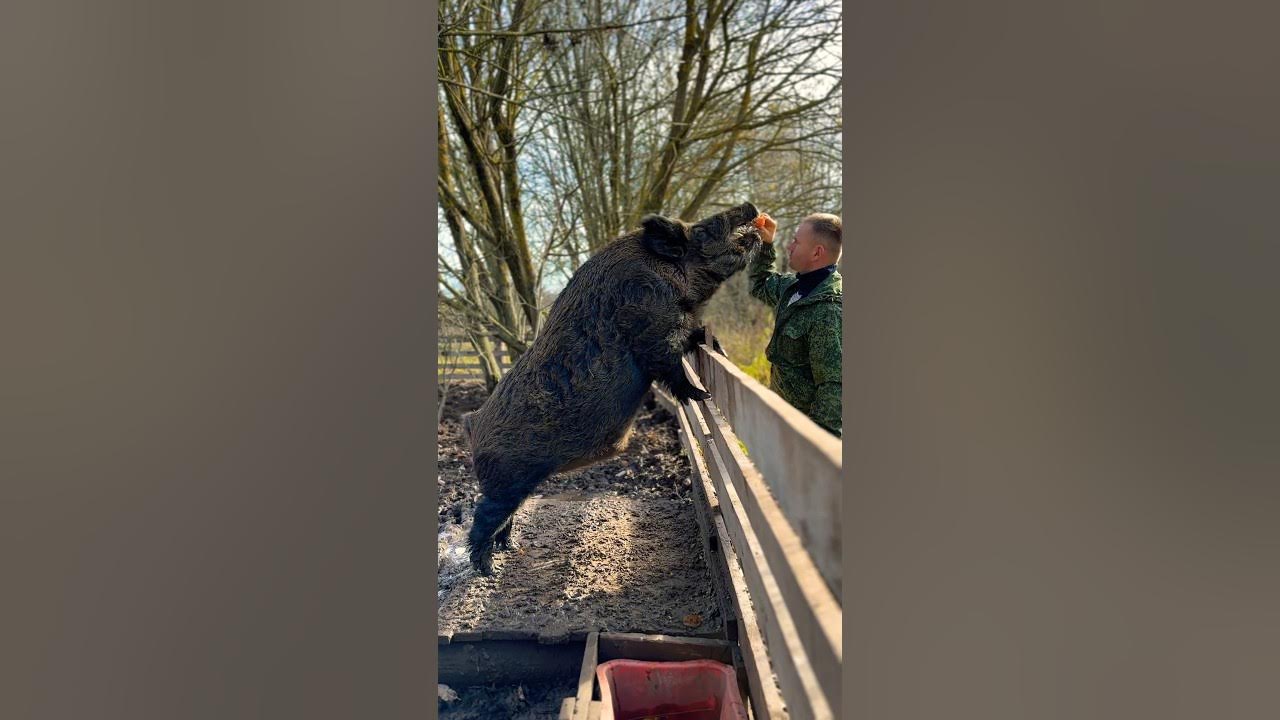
[477, 72]
[749, 82]
[563, 122]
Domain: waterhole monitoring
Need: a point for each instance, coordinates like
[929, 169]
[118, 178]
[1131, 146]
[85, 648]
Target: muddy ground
[540, 701]
[653, 465]
[612, 547]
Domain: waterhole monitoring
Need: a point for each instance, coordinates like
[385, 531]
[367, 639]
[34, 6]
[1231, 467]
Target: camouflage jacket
[804, 353]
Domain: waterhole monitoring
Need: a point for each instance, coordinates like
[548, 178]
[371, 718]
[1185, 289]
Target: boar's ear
[663, 237]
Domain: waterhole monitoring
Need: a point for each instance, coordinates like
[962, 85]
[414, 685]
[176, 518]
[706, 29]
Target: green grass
[758, 368]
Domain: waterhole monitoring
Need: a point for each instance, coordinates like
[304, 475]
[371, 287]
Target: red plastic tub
[687, 690]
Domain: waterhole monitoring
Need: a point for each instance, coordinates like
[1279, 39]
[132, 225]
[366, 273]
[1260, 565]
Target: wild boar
[622, 322]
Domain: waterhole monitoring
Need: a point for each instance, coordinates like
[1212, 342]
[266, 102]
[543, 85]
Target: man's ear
[664, 237]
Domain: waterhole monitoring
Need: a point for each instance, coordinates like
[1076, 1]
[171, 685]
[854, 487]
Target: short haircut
[826, 228]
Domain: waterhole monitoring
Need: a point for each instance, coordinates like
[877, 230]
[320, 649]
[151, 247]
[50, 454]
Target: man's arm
[766, 285]
[825, 360]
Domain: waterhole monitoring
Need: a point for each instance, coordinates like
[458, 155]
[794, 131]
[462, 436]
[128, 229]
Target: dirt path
[610, 547]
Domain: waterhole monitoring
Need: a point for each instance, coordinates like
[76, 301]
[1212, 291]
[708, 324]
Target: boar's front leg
[681, 388]
[662, 360]
[699, 337]
[658, 331]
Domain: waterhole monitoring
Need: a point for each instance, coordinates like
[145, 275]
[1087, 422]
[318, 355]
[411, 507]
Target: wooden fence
[457, 359]
[770, 519]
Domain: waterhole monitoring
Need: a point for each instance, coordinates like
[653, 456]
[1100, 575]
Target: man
[804, 352]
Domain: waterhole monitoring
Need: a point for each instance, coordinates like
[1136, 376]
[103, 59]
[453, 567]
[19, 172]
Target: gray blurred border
[1060, 307]
[433, 329]
[216, 334]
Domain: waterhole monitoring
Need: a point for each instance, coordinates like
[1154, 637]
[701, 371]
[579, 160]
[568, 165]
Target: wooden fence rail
[457, 359]
[799, 460]
[781, 551]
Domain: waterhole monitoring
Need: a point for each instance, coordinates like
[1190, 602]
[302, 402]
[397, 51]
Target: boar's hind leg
[505, 485]
[502, 539]
[492, 525]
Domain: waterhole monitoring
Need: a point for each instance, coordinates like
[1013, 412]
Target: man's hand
[767, 226]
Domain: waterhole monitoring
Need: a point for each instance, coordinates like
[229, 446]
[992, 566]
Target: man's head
[816, 243]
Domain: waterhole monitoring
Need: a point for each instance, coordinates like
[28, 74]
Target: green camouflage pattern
[805, 352]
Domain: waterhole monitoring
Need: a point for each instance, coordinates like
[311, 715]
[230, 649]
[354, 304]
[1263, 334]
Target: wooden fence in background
[457, 359]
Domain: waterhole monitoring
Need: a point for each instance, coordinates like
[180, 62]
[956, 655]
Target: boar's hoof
[482, 561]
[503, 541]
[692, 394]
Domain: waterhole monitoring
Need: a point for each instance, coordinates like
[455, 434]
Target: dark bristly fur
[623, 321]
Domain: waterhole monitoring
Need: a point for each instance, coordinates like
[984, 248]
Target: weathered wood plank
[801, 462]
[471, 354]
[740, 673]
[718, 562]
[463, 375]
[800, 687]
[468, 361]
[704, 501]
[701, 510]
[817, 615]
[707, 507]
[664, 399]
[505, 662]
[586, 678]
[766, 698]
[662, 648]
[511, 635]
[698, 430]
[464, 340]
[755, 617]
[469, 371]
